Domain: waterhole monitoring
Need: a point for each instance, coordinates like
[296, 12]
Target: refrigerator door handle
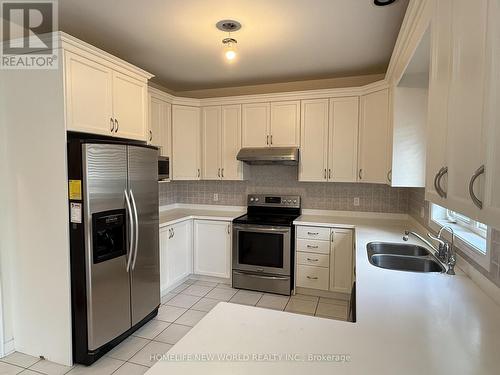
[136, 228]
[131, 235]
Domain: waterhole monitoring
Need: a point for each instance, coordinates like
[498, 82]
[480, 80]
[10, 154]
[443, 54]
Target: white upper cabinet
[466, 102]
[89, 96]
[211, 142]
[255, 124]
[374, 143]
[329, 139]
[160, 124]
[231, 168]
[343, 140]
[314, 140]
[212, 248]
[129, 106]
[186, 143]
[103, 100]
[274, 124]
[285, 124]
[439, 85]
[221, 142]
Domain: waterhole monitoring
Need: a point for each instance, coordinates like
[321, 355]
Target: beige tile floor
[180, 311]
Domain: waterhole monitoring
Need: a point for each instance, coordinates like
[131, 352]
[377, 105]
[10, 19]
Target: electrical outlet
[356, 201]
[216, 197]
[422, 212]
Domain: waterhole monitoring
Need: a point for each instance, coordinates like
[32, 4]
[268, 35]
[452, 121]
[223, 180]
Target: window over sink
[471, 236]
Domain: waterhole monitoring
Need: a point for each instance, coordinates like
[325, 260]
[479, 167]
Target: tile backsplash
[283, 180]
[417, 202]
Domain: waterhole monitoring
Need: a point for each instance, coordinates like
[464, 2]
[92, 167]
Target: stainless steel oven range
[263, 244]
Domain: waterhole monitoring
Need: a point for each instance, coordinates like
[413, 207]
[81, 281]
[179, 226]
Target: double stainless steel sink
[403, 257]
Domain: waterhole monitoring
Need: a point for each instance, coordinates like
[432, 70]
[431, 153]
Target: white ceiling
[280, 40]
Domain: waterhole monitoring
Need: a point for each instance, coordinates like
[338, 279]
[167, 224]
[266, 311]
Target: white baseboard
[8, 347]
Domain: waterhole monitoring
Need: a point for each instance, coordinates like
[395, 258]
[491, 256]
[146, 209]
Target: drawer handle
[312, 233]
[312, 247]
[312, 260]
[312, 277]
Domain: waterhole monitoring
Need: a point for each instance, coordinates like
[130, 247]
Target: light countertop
[176, 215]
[407, 323]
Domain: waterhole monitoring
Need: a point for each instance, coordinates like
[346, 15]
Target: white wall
[37, 250]
[410, 121]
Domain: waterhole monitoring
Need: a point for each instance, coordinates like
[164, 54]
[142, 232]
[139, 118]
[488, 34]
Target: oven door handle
[261, 276]
[262, 228]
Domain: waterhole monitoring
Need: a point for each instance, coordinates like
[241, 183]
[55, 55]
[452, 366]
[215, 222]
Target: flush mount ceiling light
[229, 43]
[382, 3]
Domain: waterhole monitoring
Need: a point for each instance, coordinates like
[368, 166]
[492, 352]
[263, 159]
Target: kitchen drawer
[313, 233]
[312, 259]
[311, 246]
[312, 277]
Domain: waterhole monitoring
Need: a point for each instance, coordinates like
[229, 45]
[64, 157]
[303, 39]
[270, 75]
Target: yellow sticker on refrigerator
[75, 189]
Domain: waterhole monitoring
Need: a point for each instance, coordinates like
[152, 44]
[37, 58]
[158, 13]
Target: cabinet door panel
[285, 124]
[313, 140]
[212, 248]
[129, 106]
[156, 109]
[232, 169]
[164, 233]
[211, 139]
[343, 146]
[466, 103]
[374, 137]
[179, 252]
[341, 262]
[185, 143]
[439, 81]
[89, 88]
[490, 213]
[255, 124]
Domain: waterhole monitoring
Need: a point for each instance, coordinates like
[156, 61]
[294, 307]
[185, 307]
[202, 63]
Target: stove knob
[289, 201]
[295, 201]
[256, 199]
[252, 199]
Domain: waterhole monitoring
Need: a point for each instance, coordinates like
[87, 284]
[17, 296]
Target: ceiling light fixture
[382, 3]
[229, 43]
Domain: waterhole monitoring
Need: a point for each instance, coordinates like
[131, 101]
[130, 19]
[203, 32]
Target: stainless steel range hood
[269, 155]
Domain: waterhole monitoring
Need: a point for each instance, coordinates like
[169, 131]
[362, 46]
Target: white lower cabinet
[212, 248]
[176, 253]
[325, 262]
[201, 247]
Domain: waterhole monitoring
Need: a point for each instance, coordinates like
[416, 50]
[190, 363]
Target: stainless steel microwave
[163, 168]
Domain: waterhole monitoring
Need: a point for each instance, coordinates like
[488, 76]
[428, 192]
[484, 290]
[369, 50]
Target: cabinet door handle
[312, 260]
[389, 175]
[312, 277]
[360, 174]
[222, 172]
[150, 135]
[324, 174]
[198, 172]
[437, 182]
[117, 126]
[329, 173]
[218, 172]
[112, 125]
[229, 229]
[271, 139]
[473, 179]
[312, 247]
[312, 233]
[173, 232]
[267, 139]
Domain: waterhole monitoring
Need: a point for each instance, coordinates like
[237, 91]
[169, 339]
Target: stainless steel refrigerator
[113, 201]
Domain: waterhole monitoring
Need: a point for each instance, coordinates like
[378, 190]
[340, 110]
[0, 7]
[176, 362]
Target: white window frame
[466, 233]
